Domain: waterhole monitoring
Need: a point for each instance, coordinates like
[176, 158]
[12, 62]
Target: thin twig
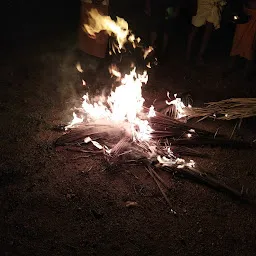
[215, 134]
[159, 178]
[240, 123]
[79, 157]
[233, 131]
[135, 176]
[161, 189]
[125, 153]
[84, 151]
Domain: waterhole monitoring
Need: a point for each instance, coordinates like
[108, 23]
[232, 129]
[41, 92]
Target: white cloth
[208, 11]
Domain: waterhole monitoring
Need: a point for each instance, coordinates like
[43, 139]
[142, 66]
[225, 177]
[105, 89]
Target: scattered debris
[130, 204]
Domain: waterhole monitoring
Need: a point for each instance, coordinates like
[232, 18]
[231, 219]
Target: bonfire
[120, 128]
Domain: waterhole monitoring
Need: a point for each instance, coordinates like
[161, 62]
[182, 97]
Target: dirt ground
[53, 203]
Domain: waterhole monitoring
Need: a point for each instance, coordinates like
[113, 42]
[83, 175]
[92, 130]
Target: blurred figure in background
[244, 43]
[94, 49]
[209, 15]
[162, 14]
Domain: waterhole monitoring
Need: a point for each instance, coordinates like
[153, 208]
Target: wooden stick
[160, 179]
[207, 180]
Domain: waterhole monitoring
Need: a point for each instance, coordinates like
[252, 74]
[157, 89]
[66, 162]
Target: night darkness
[54, 202]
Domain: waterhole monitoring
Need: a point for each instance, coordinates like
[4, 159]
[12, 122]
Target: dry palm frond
[158, 181]
[229, 109]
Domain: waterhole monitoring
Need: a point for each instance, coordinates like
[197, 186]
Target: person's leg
[209, 27]
[190, 44]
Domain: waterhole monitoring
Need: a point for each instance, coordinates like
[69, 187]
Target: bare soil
[53, 203]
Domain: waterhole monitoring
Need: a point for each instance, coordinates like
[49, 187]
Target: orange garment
[244, 43]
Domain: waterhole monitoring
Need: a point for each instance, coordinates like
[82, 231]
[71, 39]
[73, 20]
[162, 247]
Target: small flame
[147, 51]
[114, 71]
[79, 68]
[178, 162]
[76, 120]
[177, 102]
[151, 112]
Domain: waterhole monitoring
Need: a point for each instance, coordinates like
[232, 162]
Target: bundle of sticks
[184, 134]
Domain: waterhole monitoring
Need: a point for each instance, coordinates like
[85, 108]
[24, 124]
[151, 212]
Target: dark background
[26, 20]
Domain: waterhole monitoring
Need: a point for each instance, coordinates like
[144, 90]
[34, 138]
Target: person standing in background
[92, 51]
[209, 15]
[97, 46]
[244, 42]
[162, 14]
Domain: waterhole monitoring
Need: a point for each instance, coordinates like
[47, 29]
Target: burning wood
[119, 146]
[120, 128]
